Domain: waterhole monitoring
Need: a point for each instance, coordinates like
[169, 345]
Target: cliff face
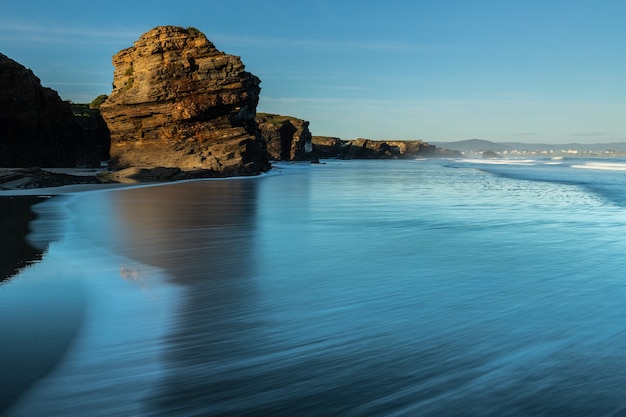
[92, 123]
[37, 128]
[179, 102]
[373, 149]
[286, 138]
[329, 147]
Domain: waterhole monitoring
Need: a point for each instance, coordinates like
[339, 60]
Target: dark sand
[15, 251]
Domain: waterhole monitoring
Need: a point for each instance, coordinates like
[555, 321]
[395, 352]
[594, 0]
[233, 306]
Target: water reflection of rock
[201, 234]
[15, 251]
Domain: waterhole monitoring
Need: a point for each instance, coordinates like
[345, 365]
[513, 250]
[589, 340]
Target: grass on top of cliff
[83, 110]
[192, 31]
[275, 119]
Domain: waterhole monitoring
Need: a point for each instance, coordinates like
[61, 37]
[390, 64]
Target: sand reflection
[201, 233]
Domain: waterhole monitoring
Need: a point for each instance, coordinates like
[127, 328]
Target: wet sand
[15, 251]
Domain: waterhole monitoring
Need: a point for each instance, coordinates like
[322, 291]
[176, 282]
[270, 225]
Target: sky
[550, 71]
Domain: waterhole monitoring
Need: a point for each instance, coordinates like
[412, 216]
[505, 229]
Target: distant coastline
[478, 146]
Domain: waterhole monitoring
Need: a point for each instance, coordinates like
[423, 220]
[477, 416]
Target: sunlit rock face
[177, 101]
[37, 128]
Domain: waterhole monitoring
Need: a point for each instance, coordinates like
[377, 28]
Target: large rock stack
[37, 128]
[179, 102]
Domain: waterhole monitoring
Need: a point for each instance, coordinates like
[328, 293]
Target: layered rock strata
[286, 138]
[179, 102]
[37, 128]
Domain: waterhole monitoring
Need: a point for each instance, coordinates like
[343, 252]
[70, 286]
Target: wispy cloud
[52, 83]
[47, 33]
[301, 43]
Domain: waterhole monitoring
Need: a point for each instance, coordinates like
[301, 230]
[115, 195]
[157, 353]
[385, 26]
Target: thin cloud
[283, 43]
[45, 33]
[79, 84]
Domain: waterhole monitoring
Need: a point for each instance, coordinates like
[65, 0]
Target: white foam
[605, 166]
[502, 161]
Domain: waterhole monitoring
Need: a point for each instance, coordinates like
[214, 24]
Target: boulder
[37, 128]
[177, 101]
[286, 138]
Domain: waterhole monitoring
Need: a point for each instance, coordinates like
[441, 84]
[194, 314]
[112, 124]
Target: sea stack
[178, 102]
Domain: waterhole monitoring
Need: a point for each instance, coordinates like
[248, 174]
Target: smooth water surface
[354, 288]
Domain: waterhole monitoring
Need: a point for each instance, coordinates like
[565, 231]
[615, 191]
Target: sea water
[350, 288]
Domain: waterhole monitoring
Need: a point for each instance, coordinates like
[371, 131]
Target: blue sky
[528, 71]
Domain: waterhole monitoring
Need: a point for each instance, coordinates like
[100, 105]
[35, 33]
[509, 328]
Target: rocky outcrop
[329, 147]
[179, 102]
[33, 177]
[37, 127]
[286, 138]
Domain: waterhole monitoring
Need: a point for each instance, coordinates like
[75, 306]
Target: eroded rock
[179, 102]
[331, 147]
[286, 138]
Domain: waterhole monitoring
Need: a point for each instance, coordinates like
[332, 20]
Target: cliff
[371, 149]
[94, 126]
[179, 102]
[286, 138]
[37, 128]
[331, 147]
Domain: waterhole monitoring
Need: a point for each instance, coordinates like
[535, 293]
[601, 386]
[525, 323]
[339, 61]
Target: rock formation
[94, 126]
[372, 149]
[37, 128]
[179, 102]
[329, 147]
[286, 138]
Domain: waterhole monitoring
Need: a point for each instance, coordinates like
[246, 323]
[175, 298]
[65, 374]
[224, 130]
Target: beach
[418, 287]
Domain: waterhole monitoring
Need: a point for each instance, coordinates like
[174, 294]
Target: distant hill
[480, 145]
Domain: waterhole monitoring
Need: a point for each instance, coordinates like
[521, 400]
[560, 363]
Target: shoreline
[17, 214]
[78, 180]
[83, 293]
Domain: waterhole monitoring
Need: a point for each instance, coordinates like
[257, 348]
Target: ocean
[349, 288]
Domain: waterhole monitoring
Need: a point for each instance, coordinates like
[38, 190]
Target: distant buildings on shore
[552, 153]
[476, 147]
